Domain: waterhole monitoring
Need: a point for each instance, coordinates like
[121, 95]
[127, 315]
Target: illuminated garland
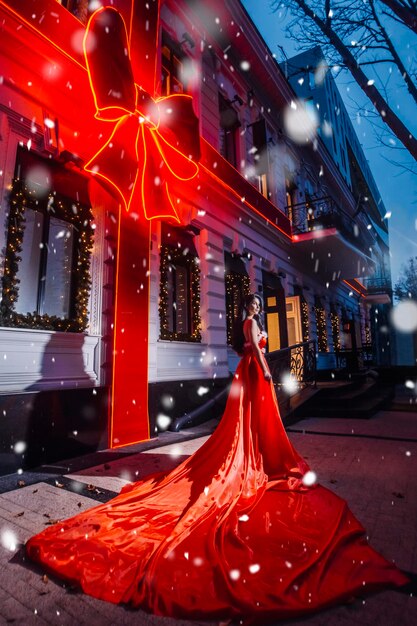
[335, 322]
[368, 337]
[237, 286]
[321, 328]
[171, 256]
[305, 320]
[21, 198]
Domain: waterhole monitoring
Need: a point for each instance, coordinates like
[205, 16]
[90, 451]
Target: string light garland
[335, 322]
[171, 257]
[368, 337]
[321, 328]
[22, 199]
[237, 286]
[305, 322]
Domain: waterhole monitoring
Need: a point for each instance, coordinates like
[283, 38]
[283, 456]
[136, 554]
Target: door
[293, 309]
[272, 323]
[295, 335]
[274, 305]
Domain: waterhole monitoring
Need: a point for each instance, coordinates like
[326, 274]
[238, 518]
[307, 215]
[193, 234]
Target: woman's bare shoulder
[249, 322]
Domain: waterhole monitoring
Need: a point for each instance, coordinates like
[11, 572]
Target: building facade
[313, 82]
[104, 313]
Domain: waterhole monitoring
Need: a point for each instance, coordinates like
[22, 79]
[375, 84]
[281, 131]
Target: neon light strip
[359, 283]
[354, 288]
[39, 32]
[116, 290]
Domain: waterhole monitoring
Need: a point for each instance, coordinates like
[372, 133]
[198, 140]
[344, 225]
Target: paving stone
[114, 475]
[366, 470]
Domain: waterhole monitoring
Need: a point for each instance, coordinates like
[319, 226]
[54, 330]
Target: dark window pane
[28, 272]
[57, 297]
[182, 299]
[171, 299]
[172, 70]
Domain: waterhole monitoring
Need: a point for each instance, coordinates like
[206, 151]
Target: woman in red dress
[232, 532]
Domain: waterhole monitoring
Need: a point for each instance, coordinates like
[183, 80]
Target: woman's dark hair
[238, 337]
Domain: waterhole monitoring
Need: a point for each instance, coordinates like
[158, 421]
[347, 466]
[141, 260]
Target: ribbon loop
[153, 141]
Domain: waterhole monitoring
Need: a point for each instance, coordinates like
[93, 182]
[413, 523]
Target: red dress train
[232, 532]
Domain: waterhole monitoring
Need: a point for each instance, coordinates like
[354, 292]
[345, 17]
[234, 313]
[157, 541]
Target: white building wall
[43, 359]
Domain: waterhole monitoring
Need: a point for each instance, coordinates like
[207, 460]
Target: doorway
[294, 326]
[274, 305]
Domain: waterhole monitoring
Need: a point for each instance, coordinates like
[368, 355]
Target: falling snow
[234, 574]
[404, 316]
[9, 540]
[309, 478]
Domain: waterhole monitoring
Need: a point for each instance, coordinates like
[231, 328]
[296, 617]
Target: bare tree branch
[397, 60]
[407, 15]
[332, 38]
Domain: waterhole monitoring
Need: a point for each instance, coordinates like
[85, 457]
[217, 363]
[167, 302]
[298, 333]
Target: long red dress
[231, 532]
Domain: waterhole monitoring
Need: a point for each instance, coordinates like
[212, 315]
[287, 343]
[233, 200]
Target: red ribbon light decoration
[153, 141]
[151, 146]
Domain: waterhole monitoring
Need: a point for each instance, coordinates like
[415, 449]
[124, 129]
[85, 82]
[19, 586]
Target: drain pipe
[190, 419]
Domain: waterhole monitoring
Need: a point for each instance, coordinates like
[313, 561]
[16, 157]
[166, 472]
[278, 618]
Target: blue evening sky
[397, 186]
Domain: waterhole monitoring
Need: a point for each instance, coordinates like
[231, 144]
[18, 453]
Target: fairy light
[335, 322]
[22, 198]
[237, 286]
[321, 328]
[305, 322]
[170, 256]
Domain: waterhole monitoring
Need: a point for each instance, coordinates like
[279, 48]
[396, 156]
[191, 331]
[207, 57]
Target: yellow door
[272, 321]
[293, 308]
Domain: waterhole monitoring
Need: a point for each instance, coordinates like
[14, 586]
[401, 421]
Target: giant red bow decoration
[153, 141]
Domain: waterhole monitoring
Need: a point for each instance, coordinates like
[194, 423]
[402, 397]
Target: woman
[232, 532]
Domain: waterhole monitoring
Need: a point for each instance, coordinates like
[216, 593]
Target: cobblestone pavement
[370, 463]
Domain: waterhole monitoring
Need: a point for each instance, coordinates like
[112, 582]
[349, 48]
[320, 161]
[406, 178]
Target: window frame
[174, 256]
[237, 285]
[21, 199]
[169, 65]
[228, 137]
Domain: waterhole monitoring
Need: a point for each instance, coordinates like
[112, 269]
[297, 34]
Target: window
[260, 144]
[229, 123]
[172, 67]
[237, 286]
[179, 298]
[290, 198]
[46, 280]
[79, 8]
[311, 80]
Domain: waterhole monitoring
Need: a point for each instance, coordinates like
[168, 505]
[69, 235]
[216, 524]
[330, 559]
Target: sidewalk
[371, 463]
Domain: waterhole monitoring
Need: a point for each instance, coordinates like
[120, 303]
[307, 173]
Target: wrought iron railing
[299, 361]
[326, 213]
[378, 284]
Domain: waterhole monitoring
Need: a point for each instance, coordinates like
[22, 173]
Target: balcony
[378, 290]
[330, 240]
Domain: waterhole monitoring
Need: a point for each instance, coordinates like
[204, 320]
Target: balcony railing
[324, 213]
[379, 284]
[298, 360]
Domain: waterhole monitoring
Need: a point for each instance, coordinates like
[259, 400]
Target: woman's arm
[254, 339]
